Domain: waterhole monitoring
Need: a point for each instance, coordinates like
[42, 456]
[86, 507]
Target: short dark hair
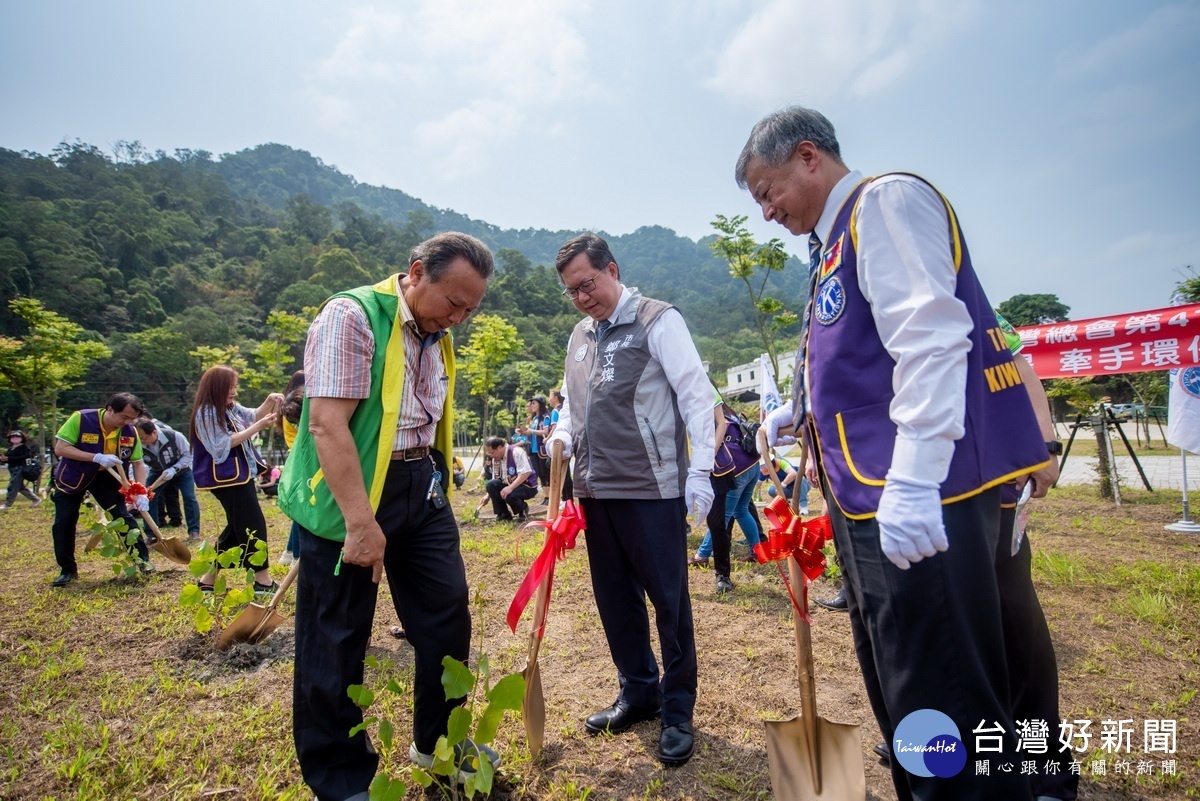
[774, 138]
[598, 253]
[438, 252]
[125, 400]
[491, 443]
[145, 425]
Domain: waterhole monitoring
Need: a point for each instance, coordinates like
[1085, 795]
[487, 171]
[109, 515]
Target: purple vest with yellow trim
[235, 470]
[73, 476]
[851, 381]
[511, 468]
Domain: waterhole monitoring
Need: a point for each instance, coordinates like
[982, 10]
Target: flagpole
[1184, 526]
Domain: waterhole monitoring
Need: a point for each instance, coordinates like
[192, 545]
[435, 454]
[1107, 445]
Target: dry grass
[107, 693]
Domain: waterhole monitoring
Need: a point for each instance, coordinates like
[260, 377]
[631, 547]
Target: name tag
[90, 439]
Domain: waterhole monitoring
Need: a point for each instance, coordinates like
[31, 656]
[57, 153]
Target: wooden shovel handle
[764, 449]
[542, 599]
[808, 683]
[120, 476]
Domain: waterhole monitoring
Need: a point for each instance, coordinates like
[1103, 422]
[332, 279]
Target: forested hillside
[157, 255]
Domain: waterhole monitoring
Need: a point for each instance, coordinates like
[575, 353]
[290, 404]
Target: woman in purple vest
[226, 463]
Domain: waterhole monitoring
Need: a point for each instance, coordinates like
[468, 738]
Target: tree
[1034, 310]
[1189, 288]
[492, 341]
[746, 258]
[274, 356]
[51, 358]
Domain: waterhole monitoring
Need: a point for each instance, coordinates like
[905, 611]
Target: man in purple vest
[89, 442]
[908, 391]
[514, 482]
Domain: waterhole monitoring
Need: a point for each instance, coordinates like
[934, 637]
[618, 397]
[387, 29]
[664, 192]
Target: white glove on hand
[698, 493]
[780, 418]
[910, 521]
[141, 503]
[106, 460]
[564, 438]
[168, 474]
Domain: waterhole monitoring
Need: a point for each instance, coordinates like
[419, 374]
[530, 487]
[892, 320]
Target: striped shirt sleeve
[337, 356]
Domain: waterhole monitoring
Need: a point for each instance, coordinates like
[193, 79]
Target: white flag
[1183, 410]
[768, 393]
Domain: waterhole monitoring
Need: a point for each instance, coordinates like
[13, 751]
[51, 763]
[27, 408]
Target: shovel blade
[249, 623]
[174, 549]
[533, 709]
[92, 544]
[831, 767]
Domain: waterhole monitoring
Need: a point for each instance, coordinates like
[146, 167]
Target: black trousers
[243, 521]
[637, 549]
[107, 492]
[334, 614]
[721, 536]
[514, 504]
[1032, 666]
[931, 637]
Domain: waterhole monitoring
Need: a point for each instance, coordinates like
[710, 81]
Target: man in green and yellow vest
[367, 482]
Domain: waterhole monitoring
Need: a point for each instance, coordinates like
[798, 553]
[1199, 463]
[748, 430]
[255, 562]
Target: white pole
[1184, 526]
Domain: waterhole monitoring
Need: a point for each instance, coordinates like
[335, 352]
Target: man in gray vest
[640, 393]
[168, 455]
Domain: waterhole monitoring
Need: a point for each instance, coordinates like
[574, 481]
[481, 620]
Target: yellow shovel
[170, 547]
[256, 622]
[808, 756]
[533, 705]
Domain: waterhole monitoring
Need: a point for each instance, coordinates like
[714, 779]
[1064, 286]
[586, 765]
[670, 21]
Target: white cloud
[813, 51]
[457, 77]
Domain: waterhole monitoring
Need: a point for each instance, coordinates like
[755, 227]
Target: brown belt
[411, 454]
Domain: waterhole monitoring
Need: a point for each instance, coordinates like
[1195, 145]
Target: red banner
[1159, 339]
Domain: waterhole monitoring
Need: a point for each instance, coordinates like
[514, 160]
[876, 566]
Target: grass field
[109, 693]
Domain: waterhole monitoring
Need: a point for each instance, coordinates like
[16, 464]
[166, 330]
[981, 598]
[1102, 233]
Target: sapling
[228, 596]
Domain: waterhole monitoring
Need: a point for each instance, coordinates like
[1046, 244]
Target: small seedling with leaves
[476, 721]
[232, 589]
[117, 542]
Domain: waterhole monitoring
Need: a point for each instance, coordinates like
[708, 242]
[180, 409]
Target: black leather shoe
[884, 752]
[619, 717]
[675, 745]
[837, 603]
[63, 579]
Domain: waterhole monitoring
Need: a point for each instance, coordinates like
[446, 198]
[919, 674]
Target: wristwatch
[1055, 448]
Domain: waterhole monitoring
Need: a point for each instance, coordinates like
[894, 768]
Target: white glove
[698, 492]
[106, 460]
[167, 474]
[141, 503]
[780, 418]
[559, 436]
[910, 521]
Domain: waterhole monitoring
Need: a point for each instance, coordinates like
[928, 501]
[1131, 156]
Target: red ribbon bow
[561, 533]
[132, 490]
[789, 535]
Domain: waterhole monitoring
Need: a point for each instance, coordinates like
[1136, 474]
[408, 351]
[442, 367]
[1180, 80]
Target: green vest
[303, 494]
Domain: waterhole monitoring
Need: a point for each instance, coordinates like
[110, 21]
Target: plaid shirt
[337, 364]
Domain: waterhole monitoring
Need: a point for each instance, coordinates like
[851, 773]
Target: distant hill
[158, 254]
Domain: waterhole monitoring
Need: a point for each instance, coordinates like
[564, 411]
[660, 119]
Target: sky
[1066, 134]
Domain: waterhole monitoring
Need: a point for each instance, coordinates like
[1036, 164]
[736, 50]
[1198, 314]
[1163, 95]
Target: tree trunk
[1103, 459]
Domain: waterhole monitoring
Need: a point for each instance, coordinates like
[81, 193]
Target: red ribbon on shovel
[132, 490]
[561, 533]
[789, 535]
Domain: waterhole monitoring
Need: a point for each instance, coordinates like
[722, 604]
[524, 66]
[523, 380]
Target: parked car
[1122, 411]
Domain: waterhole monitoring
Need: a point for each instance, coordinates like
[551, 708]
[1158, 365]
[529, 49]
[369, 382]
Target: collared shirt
[337, 364]
[906, 272]
[670, 343]
[69, 433]
[181, 446]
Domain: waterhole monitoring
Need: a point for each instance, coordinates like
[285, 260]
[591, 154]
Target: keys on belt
[411, 454]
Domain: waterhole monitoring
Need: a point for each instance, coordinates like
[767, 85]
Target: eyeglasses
[587, 287]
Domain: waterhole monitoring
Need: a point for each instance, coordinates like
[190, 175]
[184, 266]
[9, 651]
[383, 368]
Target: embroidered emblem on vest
[581, 353]
[832, 259]
[830, 302]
